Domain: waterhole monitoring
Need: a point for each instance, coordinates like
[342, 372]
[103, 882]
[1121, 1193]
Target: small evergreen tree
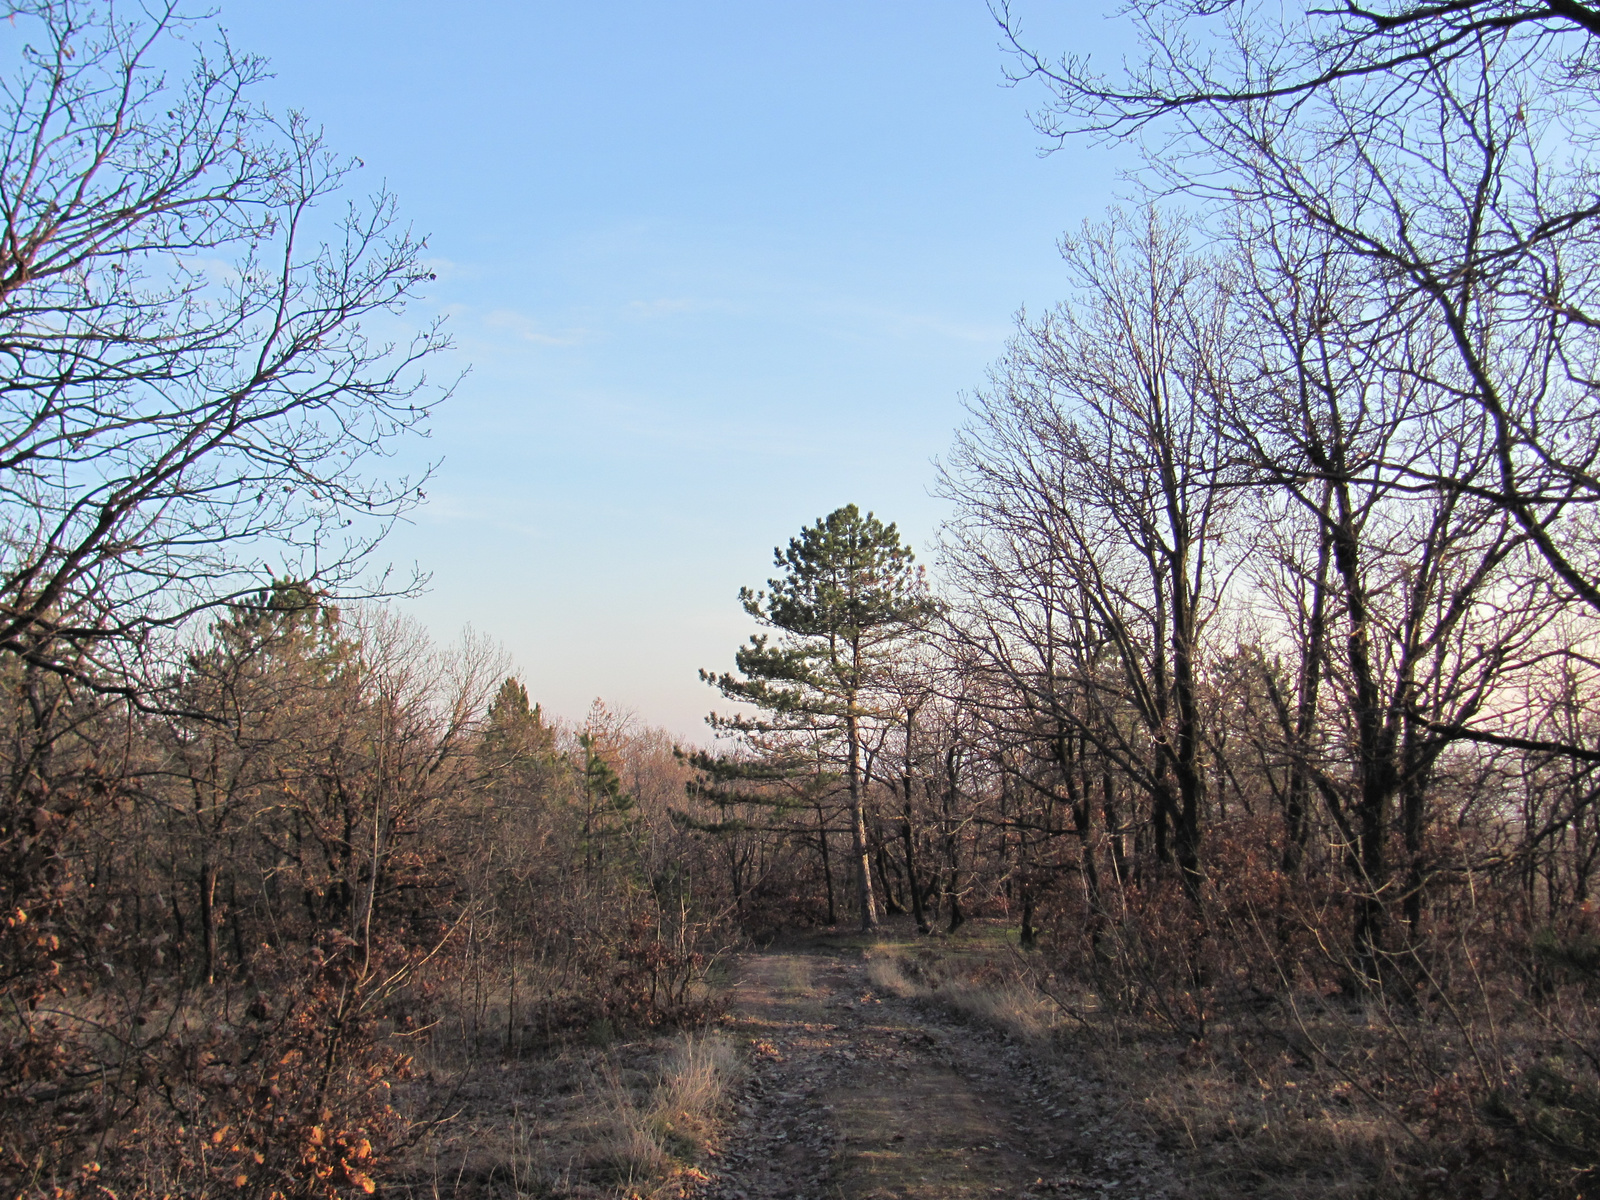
[518, 749]
[608, 811]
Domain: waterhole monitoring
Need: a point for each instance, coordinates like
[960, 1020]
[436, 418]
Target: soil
[853, 1095]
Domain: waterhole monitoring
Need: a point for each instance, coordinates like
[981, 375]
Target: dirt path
[859, 1096]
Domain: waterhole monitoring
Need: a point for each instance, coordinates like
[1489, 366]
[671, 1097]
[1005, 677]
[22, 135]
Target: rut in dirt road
[858, 1096]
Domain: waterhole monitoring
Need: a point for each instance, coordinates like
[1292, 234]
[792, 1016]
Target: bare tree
[192, 377]
[1443, 153]
[1414, 605]
[1198, 55]
[1091, 511]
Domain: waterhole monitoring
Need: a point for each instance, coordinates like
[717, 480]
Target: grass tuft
[649, 1128]
[989, 997]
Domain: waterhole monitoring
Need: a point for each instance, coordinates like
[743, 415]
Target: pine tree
[608, 811]
[845, 607]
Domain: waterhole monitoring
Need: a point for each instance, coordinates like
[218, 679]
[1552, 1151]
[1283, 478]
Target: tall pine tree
[844, 608]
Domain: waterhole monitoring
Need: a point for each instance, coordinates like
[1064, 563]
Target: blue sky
[717, 269]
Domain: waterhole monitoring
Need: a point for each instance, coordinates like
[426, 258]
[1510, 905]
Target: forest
[1250, 708]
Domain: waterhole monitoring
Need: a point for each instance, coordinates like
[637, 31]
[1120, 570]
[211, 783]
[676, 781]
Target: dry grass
[1249, 1117]
[649, 1126]
[885, 973]
[1009, 1004]
[1254, 1108]
[1013, 1009]
[580, 1120]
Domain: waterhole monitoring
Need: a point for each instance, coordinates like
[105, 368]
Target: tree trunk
[1413, 819]
[952, 881]
[1375, 762]
[858, 824]
[911, 869]
[891, 901]
[827, 863]
[208, 921]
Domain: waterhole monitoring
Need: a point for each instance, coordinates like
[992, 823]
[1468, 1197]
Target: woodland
[1252, 698]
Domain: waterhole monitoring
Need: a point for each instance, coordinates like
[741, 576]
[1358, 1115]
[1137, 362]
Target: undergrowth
[1301, 1096]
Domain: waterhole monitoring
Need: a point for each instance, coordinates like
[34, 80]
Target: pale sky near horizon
[717, 269]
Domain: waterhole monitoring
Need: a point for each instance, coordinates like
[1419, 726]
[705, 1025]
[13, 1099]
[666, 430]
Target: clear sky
[718, 268]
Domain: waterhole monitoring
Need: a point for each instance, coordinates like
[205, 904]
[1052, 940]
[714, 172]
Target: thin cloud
[526, 329]
[898, 323]
[665, 307]
[446, 508]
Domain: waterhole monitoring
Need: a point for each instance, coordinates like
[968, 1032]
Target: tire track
[855, 1096]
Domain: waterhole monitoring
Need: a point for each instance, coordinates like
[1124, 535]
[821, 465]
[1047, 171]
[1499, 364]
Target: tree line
[232, 925]
[262, 842]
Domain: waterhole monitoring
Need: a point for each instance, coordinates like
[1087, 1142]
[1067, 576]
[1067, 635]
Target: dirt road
[854, 1095]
